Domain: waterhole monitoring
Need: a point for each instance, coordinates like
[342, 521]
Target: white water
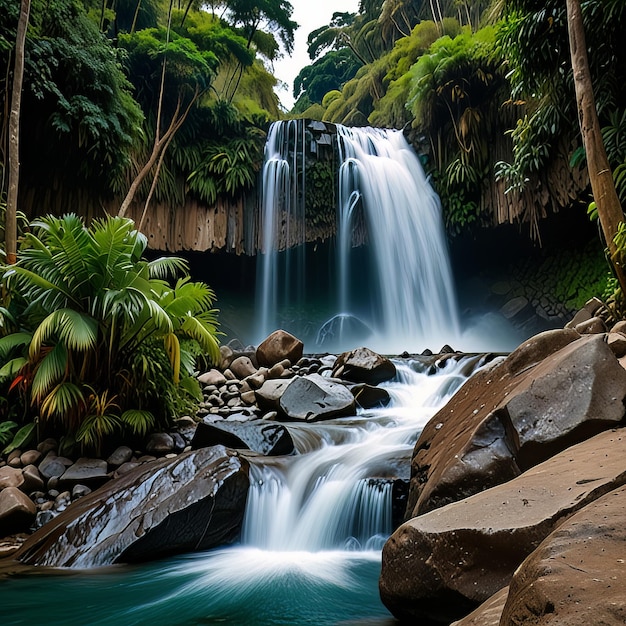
[406, 281]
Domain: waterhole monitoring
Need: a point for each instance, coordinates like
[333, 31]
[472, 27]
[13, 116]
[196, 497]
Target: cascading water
[311, 546]
[401, 297]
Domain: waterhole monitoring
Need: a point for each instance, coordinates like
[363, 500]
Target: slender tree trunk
[10, 226]
[602, 186]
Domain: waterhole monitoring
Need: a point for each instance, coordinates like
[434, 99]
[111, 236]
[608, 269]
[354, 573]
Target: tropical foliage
[106, 344]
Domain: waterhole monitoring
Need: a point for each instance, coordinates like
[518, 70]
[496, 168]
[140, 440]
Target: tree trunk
[10, 226]
[602, 186]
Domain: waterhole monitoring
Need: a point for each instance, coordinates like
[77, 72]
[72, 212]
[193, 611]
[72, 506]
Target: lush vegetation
[97, 342]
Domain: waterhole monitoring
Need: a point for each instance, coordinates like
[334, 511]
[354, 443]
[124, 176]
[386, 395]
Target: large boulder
[555, 390]
[269, 394]
[577, 576]
[262, 436]
[313, 398]
[280, 345]
[17, 511]
[440, 565]
[195, 501]
[364, 366]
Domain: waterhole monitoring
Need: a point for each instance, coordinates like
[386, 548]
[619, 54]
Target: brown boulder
[442, 564]
[364, 366]
[577, 576]
[280, 345]
[17, 511]
[10, 477]
[555, 390]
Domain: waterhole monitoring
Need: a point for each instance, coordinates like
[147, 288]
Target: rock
[242, 367]
[13, 460]
[80, 491]
[592, 326]
[515, 415]
[212, 377]
[119, 456]
[619, 327]
[278, 346]
[364, 366]
[17, 511]
[124, 468]
[159, 444]
[88, 471]
[514, 307]
[193, 502]
[368, 397]
[227, 356]
[440, 565]
[30, 457]
[577, 575]
[269, 394]
[11, 477]
[32, 479]
[488, 613]
[312, 398]
[52, 467]
[264, 437]
[617, 343]
[47, 445]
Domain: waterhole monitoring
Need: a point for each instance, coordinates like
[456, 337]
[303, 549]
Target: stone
[592, 326]
[13, 460]
[242, 367]
[80, 491]
[193, 502]
[248, 397]
[514, 306]
[85, 470]
[212, 377]
[124, 468]
[119, 456]
[52, 467]
[32, 479]
[267, 438]
[313, 398]
[617, 343]
[159, 444]
[577, 575]
[17, 511]
[30, 457]
[11, 477]
[368, 397]
[278, 346]
[619, 327]
[364, 366]
[227, 355]
[441, 565]
[269, 394]
[488, 613]
[47, 445]
[555, 390]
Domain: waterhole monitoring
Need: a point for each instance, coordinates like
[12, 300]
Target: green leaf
[22, 437]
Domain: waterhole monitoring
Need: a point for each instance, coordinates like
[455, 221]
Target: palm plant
[92, 304]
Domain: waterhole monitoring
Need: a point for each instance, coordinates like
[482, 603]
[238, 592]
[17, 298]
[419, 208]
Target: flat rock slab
[262, 436]
[85, 470]
[555, 390]
[577, 576]
[195, 501]
[441, 565]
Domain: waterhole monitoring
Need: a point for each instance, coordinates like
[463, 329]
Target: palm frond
[137, 422]
[49, 371]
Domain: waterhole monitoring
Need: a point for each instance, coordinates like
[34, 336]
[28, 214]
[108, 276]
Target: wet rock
[442, 564]
[368, 397]
[364, 366]
[278, 346]
[269, 394]
[212, 377]
[89, 471]
[10, 477]
[592, 326]
[17, 511]
[313, 398]
[52, 467]
[585, 554]
[555, 390]
[193, 502]
[159, 444]
[242, 367]
[119, 456]
[267, 438]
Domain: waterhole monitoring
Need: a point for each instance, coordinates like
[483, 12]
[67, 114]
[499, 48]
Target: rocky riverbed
[515, 510]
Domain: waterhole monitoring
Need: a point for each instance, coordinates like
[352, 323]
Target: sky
[309, 14]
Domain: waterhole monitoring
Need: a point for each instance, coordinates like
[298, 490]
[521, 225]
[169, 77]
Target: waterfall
[401, 297]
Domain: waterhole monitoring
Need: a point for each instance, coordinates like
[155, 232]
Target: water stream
[313, 532]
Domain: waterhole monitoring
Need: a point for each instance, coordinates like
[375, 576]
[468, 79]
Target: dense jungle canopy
[483, 88]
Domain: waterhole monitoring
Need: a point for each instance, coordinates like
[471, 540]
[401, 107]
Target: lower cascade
[396, 289]
[314, 527]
